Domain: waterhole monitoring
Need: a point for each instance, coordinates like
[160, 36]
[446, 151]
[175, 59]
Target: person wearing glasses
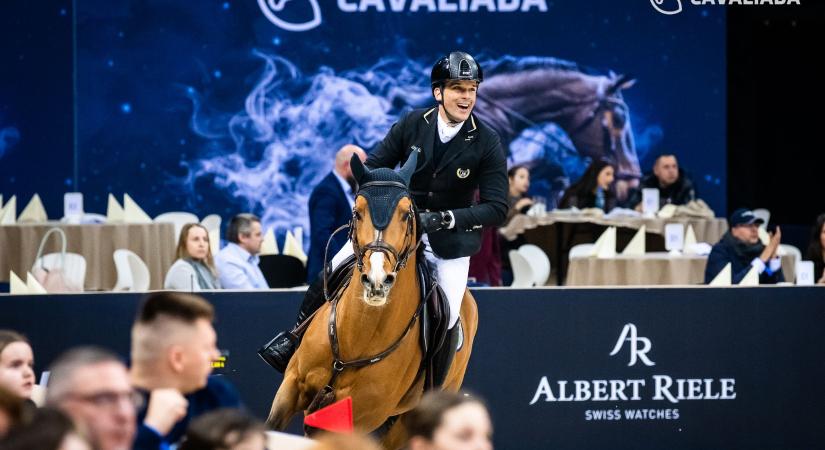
[92, 386]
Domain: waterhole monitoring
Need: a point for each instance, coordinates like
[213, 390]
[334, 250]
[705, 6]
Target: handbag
[53, 279]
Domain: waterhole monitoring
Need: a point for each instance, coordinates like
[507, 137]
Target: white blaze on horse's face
[377, 277]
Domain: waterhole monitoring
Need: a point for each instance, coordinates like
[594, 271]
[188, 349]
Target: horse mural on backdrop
[268, 157]
[366, 342]
[524, 92]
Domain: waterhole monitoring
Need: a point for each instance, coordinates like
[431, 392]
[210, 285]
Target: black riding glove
[434, 221]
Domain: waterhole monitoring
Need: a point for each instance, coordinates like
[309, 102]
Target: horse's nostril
[389, 280]
[365, 280]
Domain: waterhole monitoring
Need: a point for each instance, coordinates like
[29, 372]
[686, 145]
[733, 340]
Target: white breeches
[450, 273]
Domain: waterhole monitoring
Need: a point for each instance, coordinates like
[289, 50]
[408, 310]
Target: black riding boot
[444, 357]
[278, 351]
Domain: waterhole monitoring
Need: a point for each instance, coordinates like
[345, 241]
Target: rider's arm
[390, 151]
[492, 186]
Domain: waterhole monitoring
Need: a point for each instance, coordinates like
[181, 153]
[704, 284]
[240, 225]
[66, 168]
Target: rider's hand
[431, 221]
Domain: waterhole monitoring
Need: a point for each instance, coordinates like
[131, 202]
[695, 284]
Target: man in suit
[457, 156]
[330, 206]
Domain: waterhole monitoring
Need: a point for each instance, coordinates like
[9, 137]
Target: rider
[458, 155]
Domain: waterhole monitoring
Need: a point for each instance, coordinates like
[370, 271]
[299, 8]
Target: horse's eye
[408, 216]
[356, 214]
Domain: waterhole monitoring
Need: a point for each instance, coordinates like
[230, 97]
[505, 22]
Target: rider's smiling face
[459, 97]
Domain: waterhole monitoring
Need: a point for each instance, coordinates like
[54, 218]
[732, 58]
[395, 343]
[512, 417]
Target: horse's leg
[285, 404]
[469, 321]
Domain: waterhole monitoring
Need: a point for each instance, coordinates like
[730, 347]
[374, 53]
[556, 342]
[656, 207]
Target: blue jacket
[328, 210]
[218, 393]
[725, 251]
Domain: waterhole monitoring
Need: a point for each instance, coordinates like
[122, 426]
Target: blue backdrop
[222, 106]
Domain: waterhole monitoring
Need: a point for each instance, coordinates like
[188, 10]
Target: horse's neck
[367, 330]
[515, 101]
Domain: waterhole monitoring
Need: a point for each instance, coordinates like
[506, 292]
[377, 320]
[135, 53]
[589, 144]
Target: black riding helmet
[456, 66]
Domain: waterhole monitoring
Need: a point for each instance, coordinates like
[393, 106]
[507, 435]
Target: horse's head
[608, 133]
[383, 229]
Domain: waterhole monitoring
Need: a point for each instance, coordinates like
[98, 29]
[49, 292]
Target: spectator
[194, 269]
[593, 190]
[816, 249]
[173, 347]
[518, 202]
[16, 364]
[517, 199]
[330, 206]
[673, 185]
[741, 247]
[238, 262]
[92, 386]
[225, 429]
[446, 420]
[49, 429]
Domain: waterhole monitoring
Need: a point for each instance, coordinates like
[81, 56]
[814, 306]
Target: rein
[411, 245]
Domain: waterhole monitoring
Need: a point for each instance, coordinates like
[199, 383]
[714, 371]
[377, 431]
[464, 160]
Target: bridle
[410, 244]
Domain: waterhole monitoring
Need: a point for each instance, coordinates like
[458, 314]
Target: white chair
[73, 265]
[580, 251]
[522, 272]
[179, 219]
[539, 262]
[786, 249]
[132, 272]
[763, 214]
[212, 222]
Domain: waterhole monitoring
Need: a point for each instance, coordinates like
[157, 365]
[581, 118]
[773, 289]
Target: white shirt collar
[346, 187]
[447, 132]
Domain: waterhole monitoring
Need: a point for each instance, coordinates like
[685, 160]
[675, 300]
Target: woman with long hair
[594, 189]
[194, 269]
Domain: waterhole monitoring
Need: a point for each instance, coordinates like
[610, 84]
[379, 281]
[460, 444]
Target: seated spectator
[49, 429]
[237, 263]
[16, 364]
[194, 270]
[816, 249]
[517, 199]
[519, 203]
[741, 247]
[446, 420]
[173, 347]
[92, 386]
[593, 190]
[225, 429]
[673, 185]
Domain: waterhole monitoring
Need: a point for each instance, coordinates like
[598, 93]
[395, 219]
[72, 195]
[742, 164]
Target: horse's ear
[408, 169]
[622, 82]
[358, 168]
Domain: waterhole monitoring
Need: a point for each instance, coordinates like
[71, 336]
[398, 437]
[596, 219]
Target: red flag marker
[336, 417]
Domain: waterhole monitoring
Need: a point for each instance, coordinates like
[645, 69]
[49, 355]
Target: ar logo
[272, 8]
[629, 334]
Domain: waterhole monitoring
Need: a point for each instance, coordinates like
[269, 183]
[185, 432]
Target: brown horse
[375, 320]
